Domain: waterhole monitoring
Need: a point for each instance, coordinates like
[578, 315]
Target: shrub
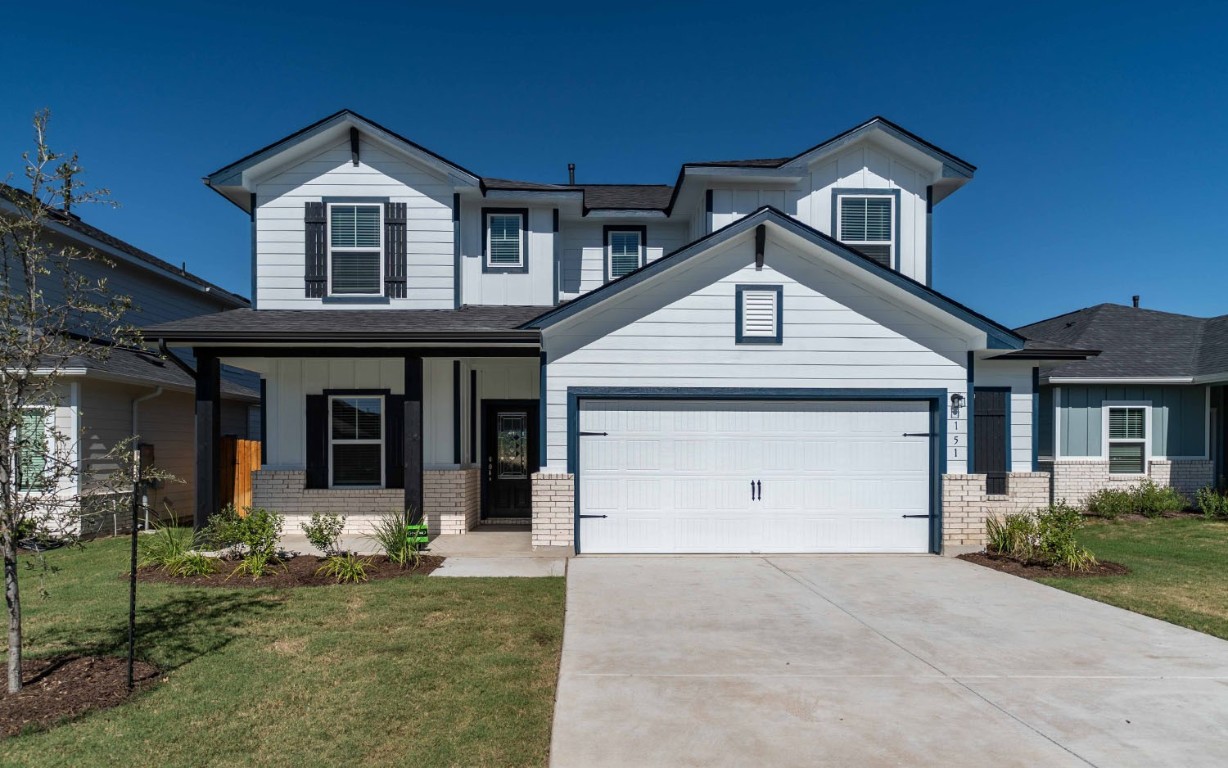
[392, 534]
[190, 564]
[1111, 503]
[1212, 503]
[253, 533]
[166, 544]
[1155, 500]
[254, 564]
[348, 568]
[1046, 536]
[324, 532]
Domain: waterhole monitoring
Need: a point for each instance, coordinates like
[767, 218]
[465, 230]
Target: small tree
[56, 312]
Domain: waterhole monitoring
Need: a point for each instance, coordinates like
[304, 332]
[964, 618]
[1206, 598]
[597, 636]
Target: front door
[509, 457]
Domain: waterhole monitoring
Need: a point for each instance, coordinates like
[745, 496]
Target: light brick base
[553, 510]
[450, 499]
[965, 505]
[1075, 480]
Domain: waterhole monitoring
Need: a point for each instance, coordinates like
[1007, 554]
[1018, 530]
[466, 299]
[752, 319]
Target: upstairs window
[356, 449]
[624, 251]
[355, 249]
[867, 223]
[760, 314]
[505, 237]
[1127, 439]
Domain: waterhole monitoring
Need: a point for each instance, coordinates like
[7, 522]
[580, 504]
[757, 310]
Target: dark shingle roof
[1136, 343]
[150, 369]
[765, 162]
[73, 222]
[483, 323]
[625, 197]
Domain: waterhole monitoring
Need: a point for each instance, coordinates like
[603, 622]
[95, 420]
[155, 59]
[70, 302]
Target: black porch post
[413, 437]
[208, 436]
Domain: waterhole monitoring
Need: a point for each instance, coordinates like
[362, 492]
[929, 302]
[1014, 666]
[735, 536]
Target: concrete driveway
[868, 661]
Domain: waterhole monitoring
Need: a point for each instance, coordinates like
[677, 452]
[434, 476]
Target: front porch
[455, 436]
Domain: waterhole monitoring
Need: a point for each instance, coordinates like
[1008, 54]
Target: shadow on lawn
[171, 632]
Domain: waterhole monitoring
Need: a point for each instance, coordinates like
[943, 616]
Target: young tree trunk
[12, 597]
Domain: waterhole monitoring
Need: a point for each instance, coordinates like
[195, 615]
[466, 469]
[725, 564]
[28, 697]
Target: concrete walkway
[871, 661]
[497, 553]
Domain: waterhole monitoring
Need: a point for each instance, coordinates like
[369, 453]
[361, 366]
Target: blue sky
[1100, 130]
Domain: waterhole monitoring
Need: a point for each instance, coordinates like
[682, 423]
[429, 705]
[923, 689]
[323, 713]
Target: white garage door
[739, 476]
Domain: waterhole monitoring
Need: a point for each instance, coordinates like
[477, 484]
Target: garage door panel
[674, 476]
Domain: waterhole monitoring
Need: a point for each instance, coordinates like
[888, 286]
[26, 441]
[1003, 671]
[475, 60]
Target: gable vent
[759, 313]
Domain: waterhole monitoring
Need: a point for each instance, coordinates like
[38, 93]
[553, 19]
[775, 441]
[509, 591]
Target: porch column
[208, 436]
[413, 437]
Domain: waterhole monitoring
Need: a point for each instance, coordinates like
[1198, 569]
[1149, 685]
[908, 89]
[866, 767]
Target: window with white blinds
[867, 223]
[759, 314]
[356, 437]
[355, 249]
[624, 252]
[32, 450]
[1127, 440]
[504, 239]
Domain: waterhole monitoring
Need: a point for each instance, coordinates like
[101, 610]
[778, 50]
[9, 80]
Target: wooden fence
[240, 458]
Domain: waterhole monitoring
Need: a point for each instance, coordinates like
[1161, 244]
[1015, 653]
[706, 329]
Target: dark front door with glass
[509, 457]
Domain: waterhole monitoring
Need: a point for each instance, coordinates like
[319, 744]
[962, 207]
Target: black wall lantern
[957, 402]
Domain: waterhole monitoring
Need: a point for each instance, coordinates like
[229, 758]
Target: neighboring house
[749, 360]
[135, 391]
[1151, 405]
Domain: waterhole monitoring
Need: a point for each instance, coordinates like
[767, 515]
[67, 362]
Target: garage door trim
[935, 397]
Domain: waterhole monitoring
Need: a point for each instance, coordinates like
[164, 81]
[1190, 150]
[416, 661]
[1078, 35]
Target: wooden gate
[240, 458]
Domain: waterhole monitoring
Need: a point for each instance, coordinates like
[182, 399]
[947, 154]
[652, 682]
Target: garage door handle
[600, 516]
[916, 515]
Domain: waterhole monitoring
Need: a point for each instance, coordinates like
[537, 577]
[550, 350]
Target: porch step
[508, 521]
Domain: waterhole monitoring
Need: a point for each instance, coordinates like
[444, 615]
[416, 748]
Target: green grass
[411, 671]
[1179, 570]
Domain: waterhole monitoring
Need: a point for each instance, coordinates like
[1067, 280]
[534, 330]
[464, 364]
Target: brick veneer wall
[1075, 480]
[553, 510]
[965, 505]
[450, 498]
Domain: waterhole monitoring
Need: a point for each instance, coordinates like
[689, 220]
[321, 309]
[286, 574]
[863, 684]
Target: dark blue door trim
[935, 397]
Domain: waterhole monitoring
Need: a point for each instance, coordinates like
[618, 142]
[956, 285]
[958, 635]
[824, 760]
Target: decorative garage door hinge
[600, 516]
[926, 516]
[594, 434]
[920, 434]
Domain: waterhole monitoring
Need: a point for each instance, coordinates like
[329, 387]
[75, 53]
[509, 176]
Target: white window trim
[609, 250]
[53, 448]
[1105, 407]
[328, 240]
[520, 241]
[840, 198]
[383, 480]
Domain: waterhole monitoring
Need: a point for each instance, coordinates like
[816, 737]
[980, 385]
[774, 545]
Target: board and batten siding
[1017, 375]
[281, 200]
[862, 166]
[679, 331]
[584, 252]
[1178, 418]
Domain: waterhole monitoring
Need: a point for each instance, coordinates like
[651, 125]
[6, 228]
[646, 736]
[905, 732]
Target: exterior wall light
[957, 402]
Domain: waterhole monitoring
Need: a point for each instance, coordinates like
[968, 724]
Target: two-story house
[751, 359]
[134, 394]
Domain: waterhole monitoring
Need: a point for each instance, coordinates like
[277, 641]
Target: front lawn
[408, 671]
[1179, 570]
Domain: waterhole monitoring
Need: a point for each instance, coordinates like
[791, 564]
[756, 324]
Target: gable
[779, 230]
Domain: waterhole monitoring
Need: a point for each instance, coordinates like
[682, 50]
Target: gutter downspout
[178, 361]
[136, 448]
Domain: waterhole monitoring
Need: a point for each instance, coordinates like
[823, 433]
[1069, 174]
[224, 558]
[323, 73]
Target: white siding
[330, 173]
[1018, 376]
[532, 288]
[291, 379]
[679, 332]
[863, 166]
[583, 246]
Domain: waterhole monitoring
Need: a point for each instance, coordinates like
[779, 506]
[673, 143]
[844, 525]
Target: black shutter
[396, 247]
[317, 441]
[989, 438]
[316, 250]
[394, 441]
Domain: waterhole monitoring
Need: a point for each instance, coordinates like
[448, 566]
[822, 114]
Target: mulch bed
[63, 688]
[297, 571]
[1038, 571]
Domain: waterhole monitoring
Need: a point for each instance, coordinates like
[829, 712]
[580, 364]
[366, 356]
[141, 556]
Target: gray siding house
[1150, 405]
